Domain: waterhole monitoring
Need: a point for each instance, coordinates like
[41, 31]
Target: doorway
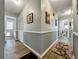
[65, 30]
[10, 27]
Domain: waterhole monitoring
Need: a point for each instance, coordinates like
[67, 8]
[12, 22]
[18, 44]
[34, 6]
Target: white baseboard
[75, 33]
[38, 32]
[36, 53]
[30, 49]
[48, 48]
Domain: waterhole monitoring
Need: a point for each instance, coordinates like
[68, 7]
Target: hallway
[44, 27]
[66, 40]
[16, 50]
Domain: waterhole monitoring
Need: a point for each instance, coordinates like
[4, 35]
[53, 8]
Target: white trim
[75, 33]
[30, 48]
[40, 55]
[10, 17]
[38, 32]
[48, 48]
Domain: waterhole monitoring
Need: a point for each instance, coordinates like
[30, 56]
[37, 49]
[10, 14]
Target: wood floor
[15, 50]
[21, 50]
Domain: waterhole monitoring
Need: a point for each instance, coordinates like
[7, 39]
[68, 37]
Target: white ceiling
[11, 7]
[60, 6]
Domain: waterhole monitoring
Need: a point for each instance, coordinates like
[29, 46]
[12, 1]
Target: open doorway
[10, 37]
[65, 24]
[13, 8]
[10, 27]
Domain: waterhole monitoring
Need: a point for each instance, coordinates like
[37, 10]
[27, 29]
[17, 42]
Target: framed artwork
[70, 24]
[53, 14]
[55, 22]
[77, 7]
[30, 18]
[47, 18]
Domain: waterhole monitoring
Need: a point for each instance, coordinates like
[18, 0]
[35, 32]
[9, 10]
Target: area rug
[64, 50]
[29, 56]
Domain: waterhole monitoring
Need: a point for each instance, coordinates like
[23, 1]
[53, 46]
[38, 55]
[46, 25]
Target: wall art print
[30, 18]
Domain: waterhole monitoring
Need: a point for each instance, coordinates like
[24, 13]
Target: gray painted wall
[75, 28]
[33, 40]
[2, 29]
[47, 39]
[75, 45]
[39, 42]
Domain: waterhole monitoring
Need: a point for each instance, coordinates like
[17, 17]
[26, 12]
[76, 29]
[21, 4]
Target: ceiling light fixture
[66, 27]
[68, 12]
[17, 2]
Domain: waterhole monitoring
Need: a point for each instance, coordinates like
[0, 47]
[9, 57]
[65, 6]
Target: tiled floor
[17, 50]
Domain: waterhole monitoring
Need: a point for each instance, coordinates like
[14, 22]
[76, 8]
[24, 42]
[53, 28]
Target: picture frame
[56, 22]
[53, 14]
[70, 24]
[47, 18]
[30, 18]
[77, 7]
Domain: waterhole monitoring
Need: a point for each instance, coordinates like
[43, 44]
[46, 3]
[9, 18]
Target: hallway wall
[75, 16]
[37, 35]
[75, 28]
[10, 14]
[38, 8]
[2, 29]
[46, 7]
[33, 6]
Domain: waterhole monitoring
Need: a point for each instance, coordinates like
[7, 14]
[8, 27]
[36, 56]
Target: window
[9, 25]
